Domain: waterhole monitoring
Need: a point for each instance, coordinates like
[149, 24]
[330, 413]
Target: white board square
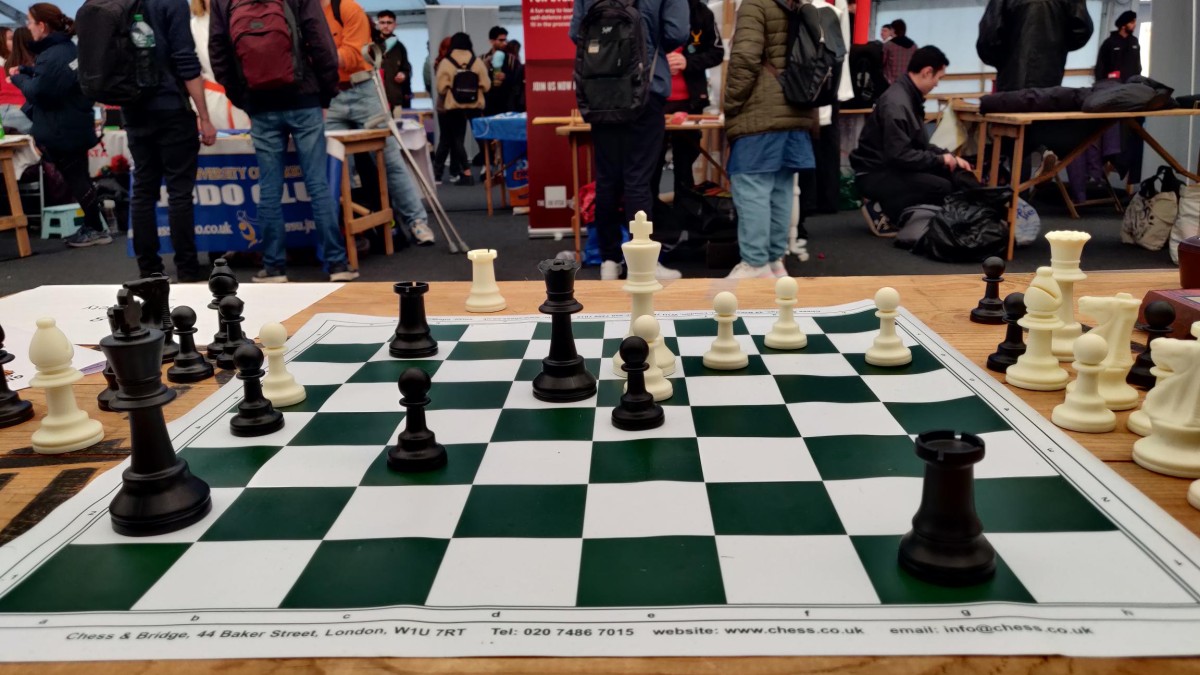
[744, 390]
[230, 575]
[314, 372]
[494, 370]
[384, 353]
[871, 506]
[101, 531]
[363, 397]
[751, 460]
[859, 343]
[493, 332]
[840, 419]
[678, 424]
[401, 511]
[219, 435]
[821, 569]
[698, 346]
[508, 572]
[460, 426]
[931, 387]
[1007, 454]
[520, 397]
[799, 363]
[588, 348]
[647, 509]
[317, 466]
[536, 463]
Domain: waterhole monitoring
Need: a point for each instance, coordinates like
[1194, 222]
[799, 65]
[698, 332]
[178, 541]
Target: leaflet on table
[20, 370]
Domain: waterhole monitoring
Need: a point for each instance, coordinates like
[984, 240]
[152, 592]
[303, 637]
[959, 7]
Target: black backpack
[809, 78]
[465, 85]
[613, 69]
[106, 51]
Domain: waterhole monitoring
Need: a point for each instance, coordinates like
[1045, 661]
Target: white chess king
[641, 261]
[65, 427]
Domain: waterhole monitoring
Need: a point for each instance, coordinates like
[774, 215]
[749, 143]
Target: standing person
[1120, 56]
[886, 33]
[63, 121]
[163, 142]
[397, 70]
[276, 115]
[627, 154]
[5, 44]
[517, 79]
[1028, 42]
[11, 98]
[770, 138]
[221, 111]
[897, 52]
[357, 106]
[460, 106]
[499, 67]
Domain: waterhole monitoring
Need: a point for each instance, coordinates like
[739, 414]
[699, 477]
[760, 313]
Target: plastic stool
[60, 220]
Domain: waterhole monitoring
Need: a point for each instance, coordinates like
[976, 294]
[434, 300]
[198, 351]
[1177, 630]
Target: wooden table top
[31, 485]
[969, 112]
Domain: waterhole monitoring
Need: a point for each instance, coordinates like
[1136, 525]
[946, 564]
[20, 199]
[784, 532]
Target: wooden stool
[59, 220]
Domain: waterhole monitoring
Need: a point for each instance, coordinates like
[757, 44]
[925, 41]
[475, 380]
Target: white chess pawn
[1083, 409]
[726, 353]
[641, 283]
[1037, 369]
[888, 350]
[485, 293]
[65, 427]
[786, 333]
[1194, 494]
[646, 327]
[279, 386]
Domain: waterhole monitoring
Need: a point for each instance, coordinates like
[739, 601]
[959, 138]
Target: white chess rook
[279, 386]
[888, 350]
[485, 293]
[646, 327]
[786, 333]
[1083, 409]
[641, 263]
[1037, 369]
[726, 353]
[1066, 248]
[65, 427]
[1173, 446]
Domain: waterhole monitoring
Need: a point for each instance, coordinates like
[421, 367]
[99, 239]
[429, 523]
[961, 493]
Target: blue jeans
[764, 208]
[270, 131]
[359, 108]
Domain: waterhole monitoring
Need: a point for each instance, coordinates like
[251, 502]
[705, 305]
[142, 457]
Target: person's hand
[950, 161]
[208, 133]
[399, 78]
[498, 77]
[677, 62]
[14, 70]
[963, 164]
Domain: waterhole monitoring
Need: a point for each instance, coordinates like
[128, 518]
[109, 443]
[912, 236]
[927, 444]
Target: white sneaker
[422, 233]
[666, 273]
[610, 270]
[778, 269]
[744, 271]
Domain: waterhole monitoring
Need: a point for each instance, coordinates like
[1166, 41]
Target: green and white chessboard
[763, 518]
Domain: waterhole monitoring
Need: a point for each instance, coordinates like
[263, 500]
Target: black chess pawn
[222, 284]
[255, 416]
[990, 309]
[416, 447]
[155, 293]
[412, 339]
[230, 309]
[13, 410]
[1160, 314]
[1013, 347]
[564, 377]
[190, 365]
[946, 545]
[637, 410]
[158, 492]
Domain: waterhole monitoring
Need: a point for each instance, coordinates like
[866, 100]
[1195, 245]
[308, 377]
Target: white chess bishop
[279, 386]
[1116, 316]
[65, 427]
[888, 350]
[1037, 369]
[641, 262]
[1173, 446]
[786, 333]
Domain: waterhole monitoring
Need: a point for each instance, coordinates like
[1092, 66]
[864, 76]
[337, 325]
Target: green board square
[462, 462]
[447, 332]
[971, 414]
[646, 459]
[488, 351]
[650, 572]
[818, 343]
[608, 393]
[760, 421]
[880, 558]
[119, 575]
[368, 573]
[706, 327]
[613, 345]
[851, 457]
[693, 366]
[361, 428]
[315, 396]
[468, 395]
[531, 367]
[389, 371]
[858, 322]
[1036, 504]
[228, 467]
[540, 511]
[590, 330]
[352, 353]
[784, 508]
[809, 388]
[922, 362]
[552, 424]
[279, 513]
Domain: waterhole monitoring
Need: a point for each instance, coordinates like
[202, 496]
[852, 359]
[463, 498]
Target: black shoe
[463, 180]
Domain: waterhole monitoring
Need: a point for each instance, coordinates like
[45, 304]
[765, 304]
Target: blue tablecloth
[505, 127]
[509, 129]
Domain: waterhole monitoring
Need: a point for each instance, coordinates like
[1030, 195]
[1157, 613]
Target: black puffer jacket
[63, 120]
[1027, 41]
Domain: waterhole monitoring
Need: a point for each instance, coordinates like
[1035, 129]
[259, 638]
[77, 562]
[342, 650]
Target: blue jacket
[175, 51]
[63, 118]
[667, 25]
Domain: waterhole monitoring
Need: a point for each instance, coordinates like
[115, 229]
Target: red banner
[549, 92]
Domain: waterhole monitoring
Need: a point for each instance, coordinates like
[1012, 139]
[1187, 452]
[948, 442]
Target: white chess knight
[1139, 420]
[485, 293]
[786, 333]
[65, 427]
[646, 327]
[1066, 248]
[1173, 446]
[641, 263]
[279, 386]
[726, 353]
[1037, 369]
[1116, 316]
[1084, 409]
[888, 350]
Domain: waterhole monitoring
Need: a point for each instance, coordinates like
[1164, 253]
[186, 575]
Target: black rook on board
[412, 339]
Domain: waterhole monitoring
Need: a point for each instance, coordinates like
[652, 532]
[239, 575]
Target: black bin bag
[971, 226]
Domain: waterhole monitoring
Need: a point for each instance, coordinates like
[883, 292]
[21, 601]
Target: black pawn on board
[946, 545]
[230, 309]
[158, 492]
[155, 294]
[637, 410]
[1160, 314]
[222, 284]
[412, 339]
[1013, 347]
[190, 365]
[990, 309]
[564, 377]
[416, 447]
[13, 410]
[255, 416]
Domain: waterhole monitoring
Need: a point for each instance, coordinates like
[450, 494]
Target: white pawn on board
[279, 386]
[641, 283]
[1084, 409]
[1037, 369]
[1116, 316]
[1194, 494]
[1173, 446]
[65, 427]
[726, 352]
[646, 327]
[485, 293]
[786, 333]
[888, 350]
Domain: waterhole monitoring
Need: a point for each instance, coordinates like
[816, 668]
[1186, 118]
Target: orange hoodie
[350, 36]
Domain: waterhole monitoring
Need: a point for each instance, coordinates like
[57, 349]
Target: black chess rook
[564, 377]
[1160, 314]
[256, 416]
[1013, 347]
[190, 365]
[13, 410]
[231, 308]
[990, 309]
[416, 447]
[637, 410]
[412, 339]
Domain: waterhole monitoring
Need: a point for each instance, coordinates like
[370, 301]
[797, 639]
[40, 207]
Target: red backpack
[266, 40]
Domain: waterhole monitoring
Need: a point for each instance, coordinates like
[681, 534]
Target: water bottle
[145, 66]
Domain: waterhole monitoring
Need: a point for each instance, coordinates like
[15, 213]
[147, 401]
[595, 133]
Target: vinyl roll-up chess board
[763, 518]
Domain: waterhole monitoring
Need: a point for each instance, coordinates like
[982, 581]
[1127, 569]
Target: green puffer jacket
[754, 102]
